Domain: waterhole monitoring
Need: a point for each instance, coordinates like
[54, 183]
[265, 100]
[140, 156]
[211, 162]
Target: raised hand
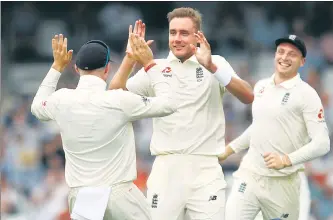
[140, 30]
[61, 56]
[203, 53]
[141, 52]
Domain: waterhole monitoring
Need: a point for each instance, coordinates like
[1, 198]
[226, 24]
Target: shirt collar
[171, 57]
[91, 82]
[288, 84]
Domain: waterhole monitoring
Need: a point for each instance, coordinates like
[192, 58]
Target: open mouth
[178, 47]
[284, 64]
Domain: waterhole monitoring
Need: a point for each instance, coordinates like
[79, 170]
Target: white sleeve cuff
[223, 76]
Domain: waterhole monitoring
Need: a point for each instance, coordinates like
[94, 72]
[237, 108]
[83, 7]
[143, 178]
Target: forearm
[46, 89]
[241, 89]
[319, 146]
[235, 85]
[49, 84]
[242, 142]
[120, 78]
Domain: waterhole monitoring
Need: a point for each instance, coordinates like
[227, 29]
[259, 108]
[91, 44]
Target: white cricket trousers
[126, 202]
[276, 197]
[186, 185]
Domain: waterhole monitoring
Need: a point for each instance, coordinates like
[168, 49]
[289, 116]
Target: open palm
[203, 53]
[140, 30]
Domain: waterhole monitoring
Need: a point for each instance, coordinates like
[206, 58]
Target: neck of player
[280, 77]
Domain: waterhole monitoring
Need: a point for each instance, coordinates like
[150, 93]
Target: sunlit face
[181, 35]
[288, 59]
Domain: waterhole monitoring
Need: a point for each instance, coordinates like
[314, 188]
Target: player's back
[98, 140]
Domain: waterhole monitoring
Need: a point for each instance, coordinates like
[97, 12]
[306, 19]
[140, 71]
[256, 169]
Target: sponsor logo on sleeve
[321, 115]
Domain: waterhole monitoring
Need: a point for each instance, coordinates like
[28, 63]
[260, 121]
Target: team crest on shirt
[321, 115]
[154, 201]
[199, 73]
[285, 98]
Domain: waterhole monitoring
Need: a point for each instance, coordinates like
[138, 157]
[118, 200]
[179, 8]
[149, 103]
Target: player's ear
[107, 68]
[76, 69]
[106, 71]
[303, 61]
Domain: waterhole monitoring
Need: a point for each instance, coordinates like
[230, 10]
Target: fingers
[55, 42]
[61, 41]
[266, 155]
[143, 30]
[140, 30]
[132, 40]
[271, 165]
[136, 41]
[70, 55]
[136, 27]
[202, 39]
[130, 30]
[202, 36]
[64, 46]
[199, 38]
[150, 42]
[59, 46]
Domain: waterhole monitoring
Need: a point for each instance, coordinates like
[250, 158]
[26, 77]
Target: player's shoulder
[116, 94]
[161, 61]
[141, 72]
[63, 92]
[262, 82]
[307, 90]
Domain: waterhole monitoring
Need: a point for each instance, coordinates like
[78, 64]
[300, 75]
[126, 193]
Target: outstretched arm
[223, 72]
[44, 104]
[126, 67]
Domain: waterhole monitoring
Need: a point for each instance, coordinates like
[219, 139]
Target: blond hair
[187, 12]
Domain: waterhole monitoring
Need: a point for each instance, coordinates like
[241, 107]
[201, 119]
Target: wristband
[224, 77]
[149, 67]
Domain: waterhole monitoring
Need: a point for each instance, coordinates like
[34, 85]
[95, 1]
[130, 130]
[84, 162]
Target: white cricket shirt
[288, 119]
[95, 125]
[198, 126]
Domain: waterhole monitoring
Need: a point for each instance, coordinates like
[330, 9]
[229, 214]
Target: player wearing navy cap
[288, 129]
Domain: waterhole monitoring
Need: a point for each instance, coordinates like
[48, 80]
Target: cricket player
[186, 176]
[288, 129]
[96, 129]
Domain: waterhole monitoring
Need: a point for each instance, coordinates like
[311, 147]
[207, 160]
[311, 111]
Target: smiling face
[288, 59]
[181, 35]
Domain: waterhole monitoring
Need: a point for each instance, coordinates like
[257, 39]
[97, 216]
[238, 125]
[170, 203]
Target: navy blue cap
[294, 40]
[93, 55]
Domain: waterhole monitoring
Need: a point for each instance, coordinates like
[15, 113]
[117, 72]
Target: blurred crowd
[32, 159]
